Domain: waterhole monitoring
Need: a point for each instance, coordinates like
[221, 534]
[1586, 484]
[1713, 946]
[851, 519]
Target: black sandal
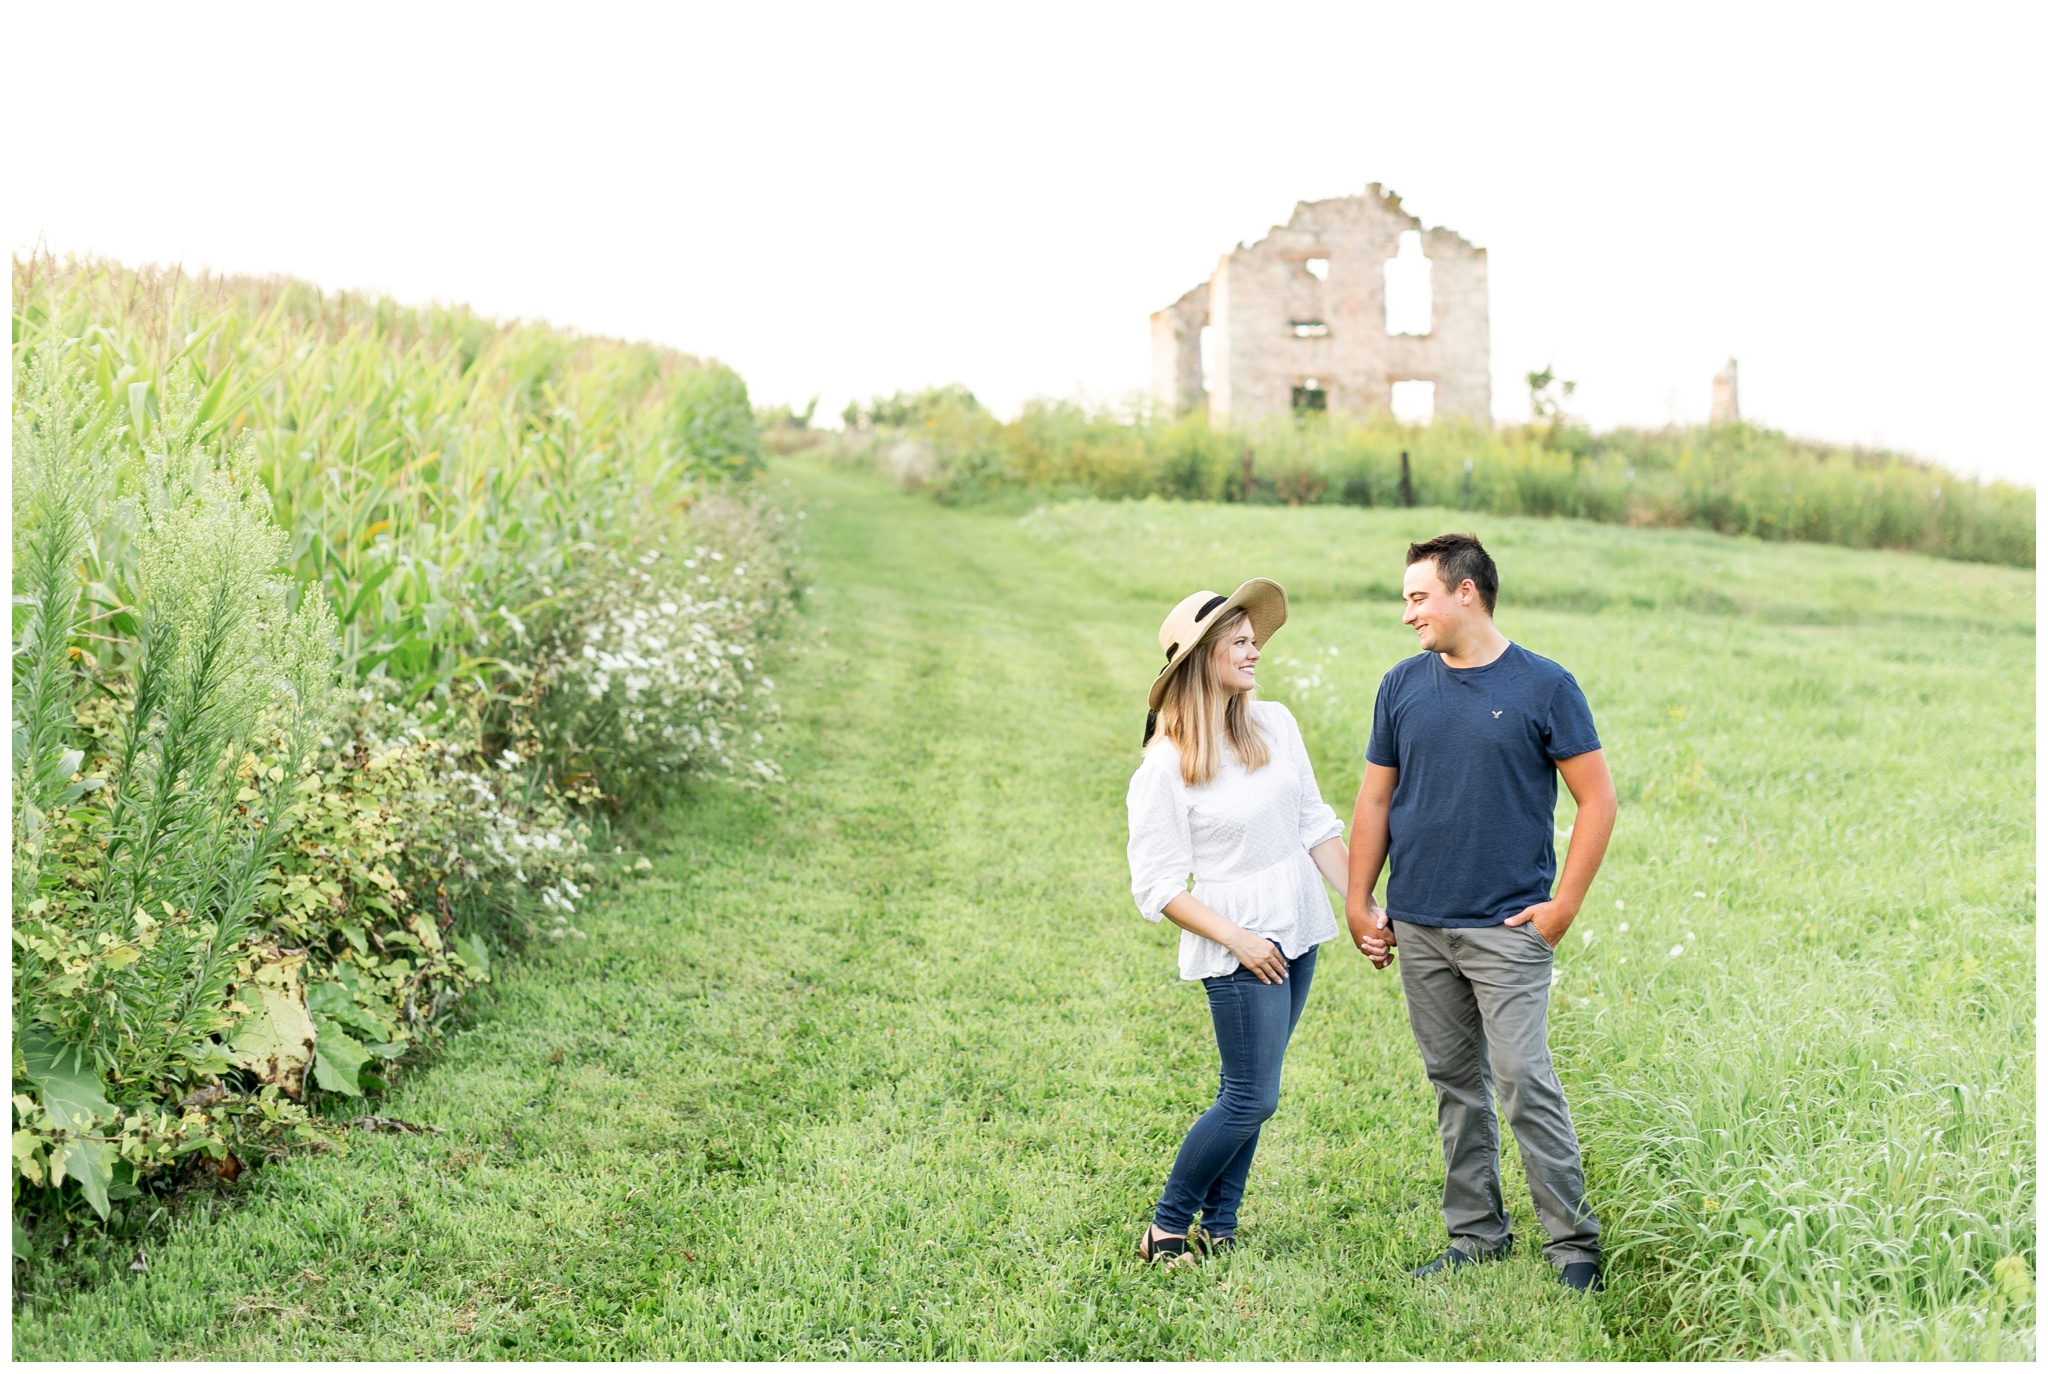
[1171, 1251]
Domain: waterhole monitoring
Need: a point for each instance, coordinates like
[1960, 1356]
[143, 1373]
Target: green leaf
[337, 1058]
[91, 1162]
[333, 1001]
[328, 999]
[142, 407]
[206, 1058]
[79, 789]
[475, 953]
[69, 1088]
[209, 404]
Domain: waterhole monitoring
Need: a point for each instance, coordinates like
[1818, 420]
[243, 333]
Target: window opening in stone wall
[1310, 329]
[1414, 402]
[1205, 343]
[1319, 268]
[1311, 396]
[1409, 302]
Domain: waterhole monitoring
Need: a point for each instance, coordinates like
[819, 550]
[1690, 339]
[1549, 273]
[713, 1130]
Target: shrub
[1736, 479]
[656, 672]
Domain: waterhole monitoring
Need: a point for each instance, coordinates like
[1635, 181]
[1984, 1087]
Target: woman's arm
[1254, 952]
[1334, 863]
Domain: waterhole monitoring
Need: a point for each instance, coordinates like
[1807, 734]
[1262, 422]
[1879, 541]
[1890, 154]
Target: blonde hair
[1188, 712]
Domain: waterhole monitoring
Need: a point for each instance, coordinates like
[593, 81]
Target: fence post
[1407, 483]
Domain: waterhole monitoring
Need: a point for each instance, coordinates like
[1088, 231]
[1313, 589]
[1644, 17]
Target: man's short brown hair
[1458, 557]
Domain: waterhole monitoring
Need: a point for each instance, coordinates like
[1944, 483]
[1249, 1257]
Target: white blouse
[1244, 837]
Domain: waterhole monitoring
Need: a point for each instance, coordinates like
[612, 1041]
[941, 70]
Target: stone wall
[1177, 351]
[1726, 408]
[1278, 327]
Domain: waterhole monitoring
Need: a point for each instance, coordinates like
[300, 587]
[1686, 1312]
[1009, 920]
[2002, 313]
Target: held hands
[1551, 920]
[1372, 932]
[1260, 955]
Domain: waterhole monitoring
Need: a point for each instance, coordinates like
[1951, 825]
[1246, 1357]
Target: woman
[1226, 793]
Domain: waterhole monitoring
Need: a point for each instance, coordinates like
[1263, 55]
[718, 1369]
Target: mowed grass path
[885, 1065]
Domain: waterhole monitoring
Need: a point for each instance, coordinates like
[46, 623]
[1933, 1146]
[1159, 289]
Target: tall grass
[529, 557]
[1737, 479]
[1796, 1018]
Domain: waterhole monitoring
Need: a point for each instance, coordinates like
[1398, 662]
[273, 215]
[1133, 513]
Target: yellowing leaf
[275, 1041]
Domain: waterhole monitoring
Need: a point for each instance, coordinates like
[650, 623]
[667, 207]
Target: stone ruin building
[1726, 409]
[1350, 306]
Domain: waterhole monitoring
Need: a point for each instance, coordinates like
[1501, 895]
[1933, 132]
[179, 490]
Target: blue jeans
[1254, 1021]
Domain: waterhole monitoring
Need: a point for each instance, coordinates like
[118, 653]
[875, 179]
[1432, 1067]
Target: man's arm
[1370, 929]
[1591, 787]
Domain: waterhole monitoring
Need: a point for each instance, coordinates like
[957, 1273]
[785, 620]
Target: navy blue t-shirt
[1471, 824]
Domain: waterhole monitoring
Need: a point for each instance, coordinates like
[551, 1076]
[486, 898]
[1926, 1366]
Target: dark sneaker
[1454, 1258]
[1582, 1277]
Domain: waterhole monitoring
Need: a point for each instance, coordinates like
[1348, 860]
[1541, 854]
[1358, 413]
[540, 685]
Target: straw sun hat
[1188, 624]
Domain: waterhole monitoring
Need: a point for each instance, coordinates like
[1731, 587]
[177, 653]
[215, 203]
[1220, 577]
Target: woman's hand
[1254, 952]
[1258, 954]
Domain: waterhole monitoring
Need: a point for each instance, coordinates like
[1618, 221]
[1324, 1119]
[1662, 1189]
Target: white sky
[846, 199]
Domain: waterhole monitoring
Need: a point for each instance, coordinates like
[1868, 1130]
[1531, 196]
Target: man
[1460, 792]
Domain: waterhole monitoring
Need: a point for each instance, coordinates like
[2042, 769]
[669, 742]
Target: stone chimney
[1726, 411]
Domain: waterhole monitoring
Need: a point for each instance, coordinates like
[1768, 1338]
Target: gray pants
[1479, 1002]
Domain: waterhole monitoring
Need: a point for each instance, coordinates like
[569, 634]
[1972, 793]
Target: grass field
[884, 1064]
